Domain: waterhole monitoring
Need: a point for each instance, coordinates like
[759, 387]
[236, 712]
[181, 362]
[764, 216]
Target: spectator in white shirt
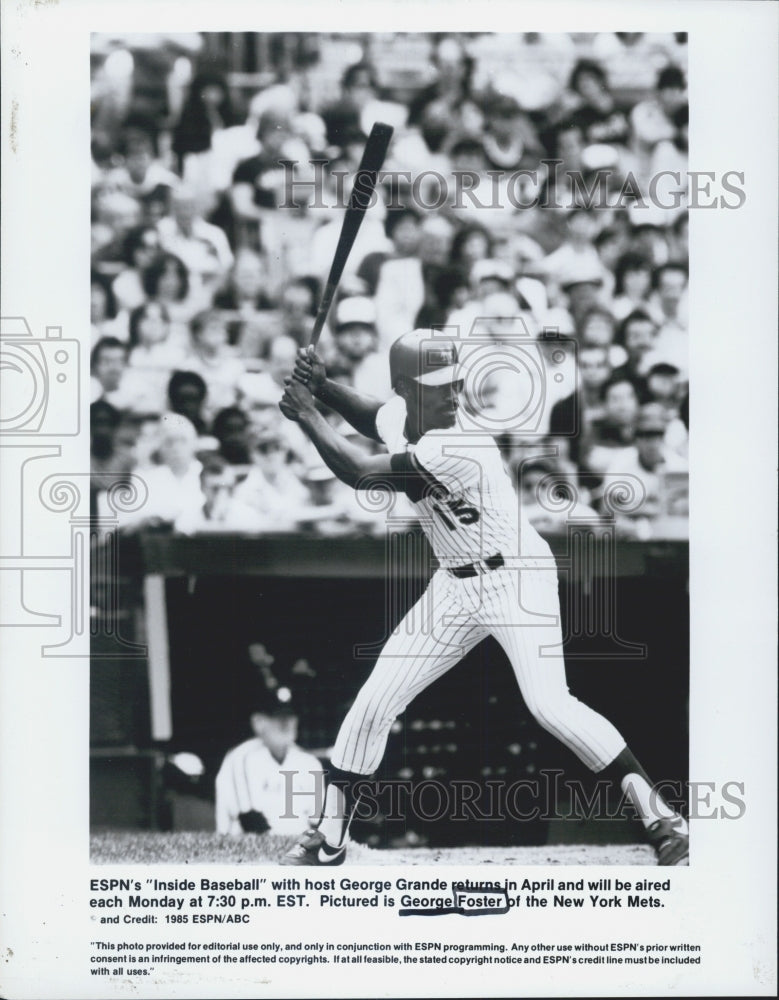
[202, 247]
[140, 172]
[404, 283]
[647, 461]
[214, 360]
[173, 487]
[671, 345]
[355, 360]
[221, 510]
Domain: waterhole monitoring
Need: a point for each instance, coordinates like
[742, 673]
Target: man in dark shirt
[572, 416]
[637, 334]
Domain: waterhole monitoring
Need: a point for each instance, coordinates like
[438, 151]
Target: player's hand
[297, 400]
[310, 369]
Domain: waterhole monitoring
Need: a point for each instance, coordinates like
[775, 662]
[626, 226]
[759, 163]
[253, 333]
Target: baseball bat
[362, 190]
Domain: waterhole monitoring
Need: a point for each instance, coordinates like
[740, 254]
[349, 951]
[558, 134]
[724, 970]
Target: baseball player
[496, 576]
[251, 786]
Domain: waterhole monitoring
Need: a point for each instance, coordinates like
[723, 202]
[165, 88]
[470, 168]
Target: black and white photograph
[371, 511]
[349, 544]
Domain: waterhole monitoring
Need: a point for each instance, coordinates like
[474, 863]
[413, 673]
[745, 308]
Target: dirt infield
[116, 848]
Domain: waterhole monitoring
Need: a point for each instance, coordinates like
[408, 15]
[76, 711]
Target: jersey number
[463, 513]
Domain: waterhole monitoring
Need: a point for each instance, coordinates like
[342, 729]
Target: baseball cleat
[672, 847]
[313, 849]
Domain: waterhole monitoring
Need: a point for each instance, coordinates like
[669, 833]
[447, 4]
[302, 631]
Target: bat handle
[319, 322]
[321, 316]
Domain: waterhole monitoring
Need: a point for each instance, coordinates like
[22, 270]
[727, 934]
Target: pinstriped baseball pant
[521, 609]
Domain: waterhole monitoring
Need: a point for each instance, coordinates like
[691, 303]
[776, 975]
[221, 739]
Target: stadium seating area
[208, 255]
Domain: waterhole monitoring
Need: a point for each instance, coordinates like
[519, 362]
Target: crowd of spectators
[207, 266]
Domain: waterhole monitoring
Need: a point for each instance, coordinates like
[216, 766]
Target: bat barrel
[359, 202]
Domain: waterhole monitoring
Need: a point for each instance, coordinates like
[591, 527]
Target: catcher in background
[496, 576]
[266, 779]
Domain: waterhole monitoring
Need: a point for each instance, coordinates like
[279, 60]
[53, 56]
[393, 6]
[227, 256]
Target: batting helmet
[424, 356]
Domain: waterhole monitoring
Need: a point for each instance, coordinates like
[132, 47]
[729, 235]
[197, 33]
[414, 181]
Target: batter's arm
[356, 408]
[347, 461]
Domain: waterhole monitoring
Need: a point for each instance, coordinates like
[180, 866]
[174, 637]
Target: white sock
[650, 805]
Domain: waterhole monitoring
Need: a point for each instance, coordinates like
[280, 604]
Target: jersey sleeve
[431, 471]
[447, 463]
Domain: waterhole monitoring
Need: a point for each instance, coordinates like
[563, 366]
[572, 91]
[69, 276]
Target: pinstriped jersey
[460, 491]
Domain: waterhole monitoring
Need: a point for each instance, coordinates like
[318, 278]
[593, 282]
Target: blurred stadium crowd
[203, 286]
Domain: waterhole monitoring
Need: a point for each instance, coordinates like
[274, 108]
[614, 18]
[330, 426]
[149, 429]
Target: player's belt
[474, 569]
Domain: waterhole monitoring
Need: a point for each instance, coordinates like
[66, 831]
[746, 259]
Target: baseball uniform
[250, 779]
[496, 576]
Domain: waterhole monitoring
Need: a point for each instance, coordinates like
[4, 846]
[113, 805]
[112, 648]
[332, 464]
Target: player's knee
[555, 715]
[370, 718]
